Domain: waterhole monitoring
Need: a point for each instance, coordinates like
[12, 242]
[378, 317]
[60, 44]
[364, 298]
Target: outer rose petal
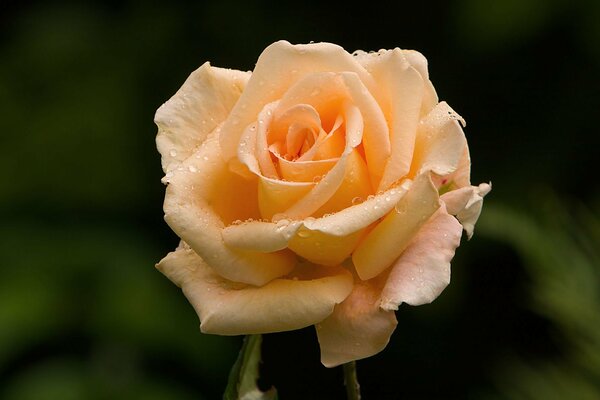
[423, 270]
[228, 308]
[357, 329]
[392, 235]
[198, 107]
[466, 204]
[202, 197]
[440, 142]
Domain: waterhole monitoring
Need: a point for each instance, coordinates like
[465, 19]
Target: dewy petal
[261, 236]
[324, 249]
[466, 204]
[392, 235]
[198, 107]
[277, 69]
[361, 215]
[440, 143]
[423, 270]
[358, 327]
[202, 197]
[404, 95]
[228, 308]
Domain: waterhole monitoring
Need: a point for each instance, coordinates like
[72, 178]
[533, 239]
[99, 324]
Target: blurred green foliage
[83, 313]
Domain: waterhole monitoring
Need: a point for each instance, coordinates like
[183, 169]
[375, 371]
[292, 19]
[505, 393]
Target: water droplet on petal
[173, 153]
[192, 168]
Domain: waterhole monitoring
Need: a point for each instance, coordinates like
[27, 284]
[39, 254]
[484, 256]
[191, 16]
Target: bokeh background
[83, 312]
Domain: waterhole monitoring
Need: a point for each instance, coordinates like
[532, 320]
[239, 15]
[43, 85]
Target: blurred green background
[83, 312]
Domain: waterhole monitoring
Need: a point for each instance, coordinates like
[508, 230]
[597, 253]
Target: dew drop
[304, 234]
[173, 153]
[192, 168]
[356, 200]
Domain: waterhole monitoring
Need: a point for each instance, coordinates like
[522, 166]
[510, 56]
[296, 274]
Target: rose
[322, 189]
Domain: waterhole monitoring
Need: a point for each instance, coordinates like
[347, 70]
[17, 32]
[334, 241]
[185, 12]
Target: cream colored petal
[391, 236]
[203, 196]
[422, 272]
[358, 327]
[228, 308]
[440, 142]
[466, 204]
[404, 90]
[198, 107]
[277, 69]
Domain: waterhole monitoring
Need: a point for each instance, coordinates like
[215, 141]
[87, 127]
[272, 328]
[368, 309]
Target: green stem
[351, 381]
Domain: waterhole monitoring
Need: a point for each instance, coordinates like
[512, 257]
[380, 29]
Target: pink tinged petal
[466, 204]
[440, 143]
[198, 107]
[203, 196]
[358, 327]
[422, 272]
[277, 69]
[228, 308]
[405, 95]
[390, 237]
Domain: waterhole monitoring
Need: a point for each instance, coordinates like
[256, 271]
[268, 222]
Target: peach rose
[324, 188]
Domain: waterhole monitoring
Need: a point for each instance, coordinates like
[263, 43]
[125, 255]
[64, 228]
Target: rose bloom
[324, 188]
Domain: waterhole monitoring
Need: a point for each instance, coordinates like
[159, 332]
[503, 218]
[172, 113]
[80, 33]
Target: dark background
[83, 312]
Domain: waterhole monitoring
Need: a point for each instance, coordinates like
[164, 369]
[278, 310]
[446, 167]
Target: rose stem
[351, 381]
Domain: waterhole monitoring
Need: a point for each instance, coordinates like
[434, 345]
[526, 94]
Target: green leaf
[244, 374]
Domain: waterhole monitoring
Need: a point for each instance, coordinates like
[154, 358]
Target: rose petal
[419, 62]
[261, 236]
[466, 204]
[228, 308]
[423, 270]
[392, 235]
[198, 107]
[440, 143]
[328, 185]
[202, 197]
[323, 249]
[402, 88]
[357, 329]
[277, 69]
[361, 215]
[356, 184]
